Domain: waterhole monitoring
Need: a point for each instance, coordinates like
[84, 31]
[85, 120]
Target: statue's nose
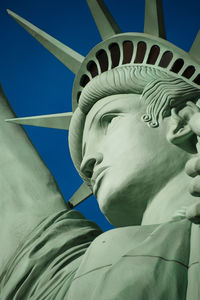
[89, 162]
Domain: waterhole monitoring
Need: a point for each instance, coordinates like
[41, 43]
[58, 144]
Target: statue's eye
[109, 121]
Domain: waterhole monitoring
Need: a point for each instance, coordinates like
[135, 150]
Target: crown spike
[105, 22]
[80, 195]
[195, 49]
[70, 58]
[58, 121]
[154, 19]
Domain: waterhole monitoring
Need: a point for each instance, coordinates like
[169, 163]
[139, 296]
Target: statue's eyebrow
[102, 107]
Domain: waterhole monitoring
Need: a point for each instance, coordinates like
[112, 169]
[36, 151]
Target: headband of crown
[117, 49]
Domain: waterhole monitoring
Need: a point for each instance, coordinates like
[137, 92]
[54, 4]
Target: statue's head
[130, 135]
[132, 99]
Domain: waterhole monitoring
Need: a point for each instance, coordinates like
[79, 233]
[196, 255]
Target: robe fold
[68, 257]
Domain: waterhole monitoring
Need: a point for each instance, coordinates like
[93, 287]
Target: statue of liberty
[134, 139]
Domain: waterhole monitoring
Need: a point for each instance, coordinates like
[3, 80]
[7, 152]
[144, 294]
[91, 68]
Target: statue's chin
[123, 196]
[119, 210]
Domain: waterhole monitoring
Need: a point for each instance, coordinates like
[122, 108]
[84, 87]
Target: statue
[133, 137]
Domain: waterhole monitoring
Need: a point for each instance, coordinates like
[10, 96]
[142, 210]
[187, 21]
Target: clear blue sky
[35, 82]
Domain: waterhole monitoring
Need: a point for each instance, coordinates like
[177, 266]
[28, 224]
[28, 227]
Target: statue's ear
[180, 132]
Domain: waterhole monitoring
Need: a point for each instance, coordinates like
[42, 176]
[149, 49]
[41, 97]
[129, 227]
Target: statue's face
[128, 162]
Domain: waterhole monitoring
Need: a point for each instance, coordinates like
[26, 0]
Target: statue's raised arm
[27, 188]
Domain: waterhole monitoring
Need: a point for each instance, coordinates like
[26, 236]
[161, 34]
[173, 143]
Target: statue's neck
[171, 199]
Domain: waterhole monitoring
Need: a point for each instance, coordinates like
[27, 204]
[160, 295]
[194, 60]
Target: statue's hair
[161, 96]
[159, 90]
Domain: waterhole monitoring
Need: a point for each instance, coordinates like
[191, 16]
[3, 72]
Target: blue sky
[35, 82]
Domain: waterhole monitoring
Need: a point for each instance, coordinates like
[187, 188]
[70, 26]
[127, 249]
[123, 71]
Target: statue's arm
[23, 172]
[28, 191]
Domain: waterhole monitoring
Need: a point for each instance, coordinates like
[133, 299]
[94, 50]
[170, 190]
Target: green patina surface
[134, 139]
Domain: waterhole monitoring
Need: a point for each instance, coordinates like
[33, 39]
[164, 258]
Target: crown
[116, 50]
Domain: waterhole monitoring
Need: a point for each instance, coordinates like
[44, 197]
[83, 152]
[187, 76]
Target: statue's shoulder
[111, 245]
[135, 257]
[108, 247]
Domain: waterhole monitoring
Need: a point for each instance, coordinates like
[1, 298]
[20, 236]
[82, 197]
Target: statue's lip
[96, 174]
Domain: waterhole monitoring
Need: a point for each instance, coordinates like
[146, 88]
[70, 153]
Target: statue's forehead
[119, 102]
